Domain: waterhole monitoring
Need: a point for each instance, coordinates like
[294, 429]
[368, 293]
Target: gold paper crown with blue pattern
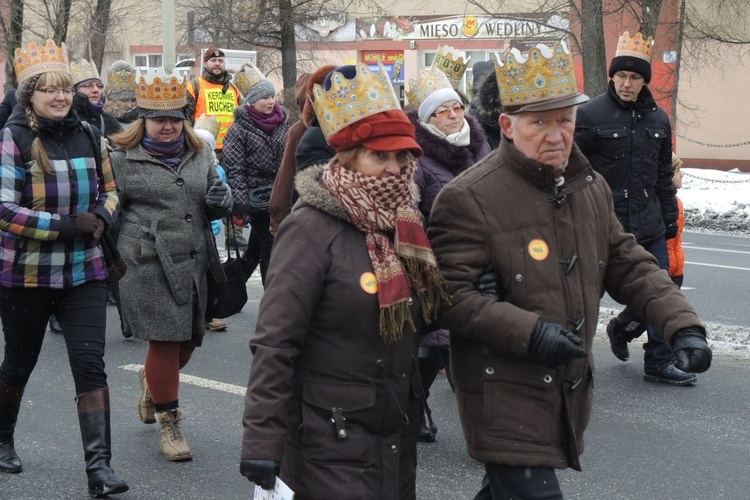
[208, 122]
[429, 80]
[162, 91]
[247, 76]
[452, 62]
[36, 60]
[544, 74]
[349, 101]
[121, 78]
[635, 46]
[83, 70]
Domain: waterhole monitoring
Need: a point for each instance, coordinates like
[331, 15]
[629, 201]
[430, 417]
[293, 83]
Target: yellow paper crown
[37, 60]
[349, 101]
[83, 70]
[429, 80]
[452, 62]
[208, 122]
[247, 76]
[635, 46]
[158, 90]
[544, 74]
[121, 78]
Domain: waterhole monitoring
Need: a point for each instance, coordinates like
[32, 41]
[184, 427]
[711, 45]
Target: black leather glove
[670, 230]
[691, 350]
[219, 195]
[89, 226]
[552, 345]
[488, 283]
[261, 472]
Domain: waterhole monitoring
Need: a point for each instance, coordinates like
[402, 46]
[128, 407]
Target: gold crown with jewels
[429, 80]
[208, 122]
[36, 60]
[83, 70]
[452, 62]
[121, 77]
[349, 101]
[162, 91]
[247, 76]
[543, 74]
[635, 46]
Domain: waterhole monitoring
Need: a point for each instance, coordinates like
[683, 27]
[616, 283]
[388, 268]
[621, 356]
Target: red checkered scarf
[385, 210]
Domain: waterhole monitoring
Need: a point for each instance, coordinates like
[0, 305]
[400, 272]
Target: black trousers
[509, 482]
[82, 313]
[261, 240]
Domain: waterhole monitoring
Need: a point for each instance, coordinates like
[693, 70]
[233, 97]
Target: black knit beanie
[25, 90]
[630, 63]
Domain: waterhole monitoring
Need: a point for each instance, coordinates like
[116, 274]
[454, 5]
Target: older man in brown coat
[539, 214]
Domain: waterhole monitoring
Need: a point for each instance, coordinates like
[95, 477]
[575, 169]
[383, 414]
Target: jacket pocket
[521, 401]
[611, 143]
[332, 423]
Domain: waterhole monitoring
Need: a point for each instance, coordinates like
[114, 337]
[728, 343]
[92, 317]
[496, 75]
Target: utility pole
[168, 37]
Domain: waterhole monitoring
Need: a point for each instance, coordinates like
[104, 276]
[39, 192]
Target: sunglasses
[445, 112]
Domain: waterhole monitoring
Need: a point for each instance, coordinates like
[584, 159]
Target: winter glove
[691, 350]
[553, 345]
[488, 283]
[89, 226]
[219, 195]
[261, 472]
[671, 231]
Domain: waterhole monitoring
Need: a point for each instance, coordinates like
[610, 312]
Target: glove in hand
[691, 351]
[219, 195]
[89, 226]
[261, 472]
[670, 231]
[552, 345]
[488, 283]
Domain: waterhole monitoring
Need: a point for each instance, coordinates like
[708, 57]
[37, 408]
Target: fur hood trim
[309, 184]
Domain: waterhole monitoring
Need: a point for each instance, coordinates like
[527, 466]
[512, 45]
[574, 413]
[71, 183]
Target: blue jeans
[658, 353]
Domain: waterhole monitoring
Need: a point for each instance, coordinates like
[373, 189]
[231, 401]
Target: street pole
[168, 38]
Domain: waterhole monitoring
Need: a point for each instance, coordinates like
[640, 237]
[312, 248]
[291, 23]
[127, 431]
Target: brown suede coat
[555, 263]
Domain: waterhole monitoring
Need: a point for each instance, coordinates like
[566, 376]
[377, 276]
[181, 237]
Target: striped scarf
[385, 209]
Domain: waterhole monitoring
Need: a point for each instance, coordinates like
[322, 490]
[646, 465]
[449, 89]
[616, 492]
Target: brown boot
[173, 444]
[146, 409]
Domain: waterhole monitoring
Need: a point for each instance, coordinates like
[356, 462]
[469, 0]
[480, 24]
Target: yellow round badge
[369, 283]
[538, 249]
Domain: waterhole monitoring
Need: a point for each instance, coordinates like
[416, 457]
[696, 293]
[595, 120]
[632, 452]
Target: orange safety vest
[674, 246]
[213, 102]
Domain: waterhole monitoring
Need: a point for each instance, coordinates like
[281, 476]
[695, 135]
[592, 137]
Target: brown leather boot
[146, 409]
[10, 403]
[173, 444]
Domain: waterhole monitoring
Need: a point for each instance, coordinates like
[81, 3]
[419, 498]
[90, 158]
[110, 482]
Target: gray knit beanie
[260, 90]
[25, 90]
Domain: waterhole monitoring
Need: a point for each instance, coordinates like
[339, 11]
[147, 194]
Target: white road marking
[719, 250]
[199, 381]
[718, 265]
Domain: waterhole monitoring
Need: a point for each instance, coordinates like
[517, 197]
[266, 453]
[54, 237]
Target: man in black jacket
[628, 140]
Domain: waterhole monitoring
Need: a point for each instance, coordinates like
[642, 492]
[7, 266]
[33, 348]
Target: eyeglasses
[445, 112]
[53, 91]
[635, 78]
[91, 85]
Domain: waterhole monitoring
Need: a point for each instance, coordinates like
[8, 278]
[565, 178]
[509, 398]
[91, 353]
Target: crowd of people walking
[470, 234]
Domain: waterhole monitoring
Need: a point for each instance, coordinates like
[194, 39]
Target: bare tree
[12, 38]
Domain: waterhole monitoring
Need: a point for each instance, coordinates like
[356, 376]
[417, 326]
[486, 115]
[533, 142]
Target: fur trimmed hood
[454, 158]
[309, 185]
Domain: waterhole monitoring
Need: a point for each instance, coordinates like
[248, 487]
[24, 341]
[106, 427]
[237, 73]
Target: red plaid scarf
[385, 210]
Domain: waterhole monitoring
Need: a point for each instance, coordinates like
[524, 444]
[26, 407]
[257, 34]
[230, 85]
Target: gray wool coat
[166, 242]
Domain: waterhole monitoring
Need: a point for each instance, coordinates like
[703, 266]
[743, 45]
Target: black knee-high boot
[93, 416]
[10, 402]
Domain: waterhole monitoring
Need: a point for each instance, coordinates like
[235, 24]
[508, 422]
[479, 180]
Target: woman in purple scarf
[253, 148]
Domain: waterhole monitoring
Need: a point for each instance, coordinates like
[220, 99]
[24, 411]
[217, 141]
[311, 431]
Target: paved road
[645, 442]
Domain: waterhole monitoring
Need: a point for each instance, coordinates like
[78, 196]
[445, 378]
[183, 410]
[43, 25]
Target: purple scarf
[170, 153]
[266, 122]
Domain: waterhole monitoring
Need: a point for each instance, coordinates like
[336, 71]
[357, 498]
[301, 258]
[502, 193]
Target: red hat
[386, 131]
[212, 52]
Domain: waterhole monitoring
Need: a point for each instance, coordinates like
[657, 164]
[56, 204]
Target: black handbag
[259, 197]
[116, 267]
[227, 298]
